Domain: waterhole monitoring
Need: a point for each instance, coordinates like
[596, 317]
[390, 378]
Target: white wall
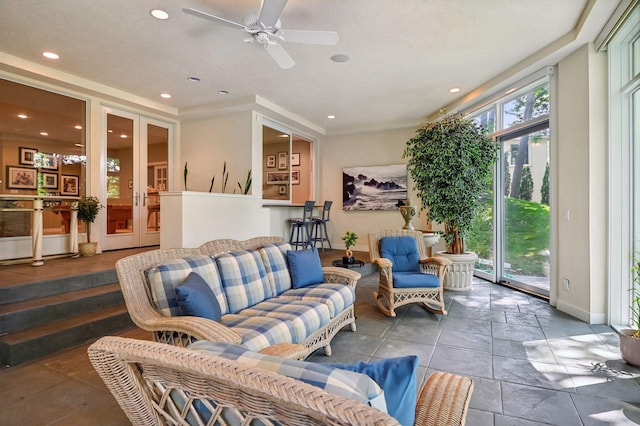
[581, 184]
[206, 143]
[361, 149]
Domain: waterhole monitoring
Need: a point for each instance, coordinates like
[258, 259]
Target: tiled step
[22, 292]
[35, 312]
[36, 342]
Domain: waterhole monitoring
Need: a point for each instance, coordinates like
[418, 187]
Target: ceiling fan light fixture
[159, 14]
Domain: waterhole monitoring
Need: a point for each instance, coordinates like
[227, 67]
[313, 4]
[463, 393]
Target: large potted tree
[450, 161]
[88, 209]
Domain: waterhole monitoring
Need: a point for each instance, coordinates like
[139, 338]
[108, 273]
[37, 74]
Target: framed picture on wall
[295, 159]
[50, 180]
[282, 190]
[27, 156]
[271, 161]
[70, 185]
[277, 178]
[21, 178]
[282, 160]
[47, 161]
[295, 177]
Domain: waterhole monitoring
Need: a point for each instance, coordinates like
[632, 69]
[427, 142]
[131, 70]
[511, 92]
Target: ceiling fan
[264, 27]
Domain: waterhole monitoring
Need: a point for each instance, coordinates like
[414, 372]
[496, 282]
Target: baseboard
[581, 314]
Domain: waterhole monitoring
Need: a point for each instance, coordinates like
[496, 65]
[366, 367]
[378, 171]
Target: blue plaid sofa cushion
[274, 256]
[163, 280]
[260, 332]
[349, 384]
[337, 297]
[306, 317]
[244, 279]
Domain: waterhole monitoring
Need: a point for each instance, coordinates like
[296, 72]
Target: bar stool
[319, 229]
[300, 227]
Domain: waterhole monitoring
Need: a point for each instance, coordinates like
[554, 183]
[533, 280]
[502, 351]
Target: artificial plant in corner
[450, 161]
[88, 209]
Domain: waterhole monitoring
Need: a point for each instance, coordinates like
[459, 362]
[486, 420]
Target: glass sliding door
[525, 211]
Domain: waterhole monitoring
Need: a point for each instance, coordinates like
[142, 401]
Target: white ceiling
[405, 55]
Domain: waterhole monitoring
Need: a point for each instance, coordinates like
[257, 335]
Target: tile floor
[532, 365]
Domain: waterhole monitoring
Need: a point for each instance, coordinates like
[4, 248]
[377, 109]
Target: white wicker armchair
[388, 297]
[146, 378]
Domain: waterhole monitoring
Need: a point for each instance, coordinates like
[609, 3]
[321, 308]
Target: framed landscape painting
[374, 187]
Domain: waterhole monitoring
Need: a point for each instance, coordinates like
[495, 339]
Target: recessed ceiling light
[339, 58]
[454, 90]
[165, 95]
[283, 136]
[223, 92]
[331, 117]
[123, 136]
[77, 126]
[193, 78]
[109, 131]
[50, 55]
[79, 145]
[44, 133]
[23, 116]
[159, 14]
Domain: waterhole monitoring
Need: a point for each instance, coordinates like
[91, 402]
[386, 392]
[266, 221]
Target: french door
[136, 159]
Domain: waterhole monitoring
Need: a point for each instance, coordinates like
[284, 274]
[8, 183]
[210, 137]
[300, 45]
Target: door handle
[135, 199]
[144, 199]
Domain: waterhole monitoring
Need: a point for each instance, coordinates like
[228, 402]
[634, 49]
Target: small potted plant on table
[88, 209]
[349, 239]
[630, 337]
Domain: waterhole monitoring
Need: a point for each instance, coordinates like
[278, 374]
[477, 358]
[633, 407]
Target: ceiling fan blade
[279, 55]
[270, 12]
[213, 18]
[328, 38]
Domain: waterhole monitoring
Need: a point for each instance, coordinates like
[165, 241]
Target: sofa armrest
[334, 274]
[287, 350]
[444, 400]
[184, 330]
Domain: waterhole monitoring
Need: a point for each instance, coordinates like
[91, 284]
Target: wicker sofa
[155, 384]
[254, 324]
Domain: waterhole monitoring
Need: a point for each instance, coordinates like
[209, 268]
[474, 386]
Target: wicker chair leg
[327, 350]
[436, 310]
[388, 312]
[444, 400]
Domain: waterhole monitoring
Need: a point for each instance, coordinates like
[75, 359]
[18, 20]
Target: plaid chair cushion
[306, 317]
[337, 297]
[260, 332]
[274, 257]
[244, 279]
[348, 384]
[163, 280]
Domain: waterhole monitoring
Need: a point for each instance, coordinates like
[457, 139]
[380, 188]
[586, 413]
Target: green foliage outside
[526, 184]
[544, 189]
[526, 233]
[507, 175]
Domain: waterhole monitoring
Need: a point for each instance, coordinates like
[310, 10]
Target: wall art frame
[70, 185]
[22, 178]
[50, 180]
[27, 156]
[277, 178]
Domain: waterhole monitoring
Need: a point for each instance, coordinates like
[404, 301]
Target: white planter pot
[630, 347]
[460, 274]
[430, 239]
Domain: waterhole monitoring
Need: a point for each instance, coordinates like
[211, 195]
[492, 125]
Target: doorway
[136, 171]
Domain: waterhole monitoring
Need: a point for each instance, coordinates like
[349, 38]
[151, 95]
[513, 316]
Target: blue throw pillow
[305, 267]
[397, 378]
[196, 298]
